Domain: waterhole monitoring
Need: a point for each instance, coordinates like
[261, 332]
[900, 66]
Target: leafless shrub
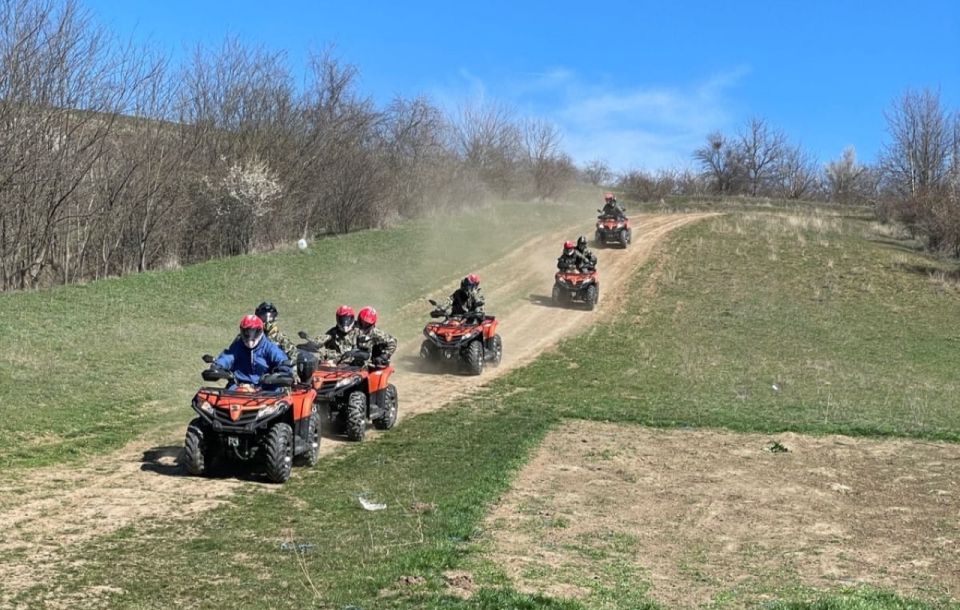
[597, 172]
[848, 181]
[113, 161]
[918, 170]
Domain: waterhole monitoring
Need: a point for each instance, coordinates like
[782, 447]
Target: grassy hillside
[766, 322]
[85, 368]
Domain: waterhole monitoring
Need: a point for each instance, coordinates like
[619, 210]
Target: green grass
[760, 325]
[857, 341]
[83, 369]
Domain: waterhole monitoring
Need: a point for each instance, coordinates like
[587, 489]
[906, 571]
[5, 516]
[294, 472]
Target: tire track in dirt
[46, 512]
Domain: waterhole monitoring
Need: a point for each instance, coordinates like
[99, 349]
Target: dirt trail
[47, 511]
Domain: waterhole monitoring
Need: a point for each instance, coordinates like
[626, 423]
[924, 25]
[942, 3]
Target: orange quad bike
[353, 390]
[577, 285]
[468, 341]
[612, 230]
[245, 423]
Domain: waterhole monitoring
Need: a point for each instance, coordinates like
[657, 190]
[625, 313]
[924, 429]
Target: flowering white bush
[248, 188]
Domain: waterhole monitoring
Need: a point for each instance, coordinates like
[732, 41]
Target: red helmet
[609, 197]
[568, 245]
[367, 318]
[345, 317]
[251, 331]
[470, 282]
[251, 321]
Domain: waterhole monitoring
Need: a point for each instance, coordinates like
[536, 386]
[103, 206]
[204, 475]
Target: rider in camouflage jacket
[587, 258]
[382, 344]
[341, 338]
[466, 299]
[267, 312]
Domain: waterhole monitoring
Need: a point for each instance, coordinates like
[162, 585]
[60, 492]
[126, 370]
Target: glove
[381, 362]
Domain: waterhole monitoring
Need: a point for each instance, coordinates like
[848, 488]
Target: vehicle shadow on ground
[542, 300]
[167, 460]
[163, 460]
[416, 364]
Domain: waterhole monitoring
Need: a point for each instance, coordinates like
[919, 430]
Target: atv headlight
[347, 381]
[206, 407]
[271, 410]
[432, 334]
[470, 336]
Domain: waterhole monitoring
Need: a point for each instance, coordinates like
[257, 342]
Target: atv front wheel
[496, 350]
[312, 453]
[598, 240]
[592, 296]
[624, 238]
[278, 452]
[474, 357]
[427, 351]
[197, 449]
[356, 424]
[389, 417]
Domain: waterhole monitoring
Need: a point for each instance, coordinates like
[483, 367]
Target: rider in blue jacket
[252, 355]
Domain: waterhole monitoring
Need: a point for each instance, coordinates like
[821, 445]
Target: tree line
[113, 159]
[915, 180]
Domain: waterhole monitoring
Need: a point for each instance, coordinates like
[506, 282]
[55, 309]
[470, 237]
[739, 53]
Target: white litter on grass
[776, 387]
[368, 505]
[302, 244]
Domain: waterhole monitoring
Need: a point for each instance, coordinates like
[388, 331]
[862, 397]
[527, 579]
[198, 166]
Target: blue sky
[639, 84]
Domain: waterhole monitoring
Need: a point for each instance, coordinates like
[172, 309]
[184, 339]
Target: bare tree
[489, 141]
[917, 159]
[846, 180]
[796, 174]
[550, 168]
[761, 151]
[597, 172]
[722, 163]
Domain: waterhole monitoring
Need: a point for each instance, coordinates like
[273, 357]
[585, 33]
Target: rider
[252, 355]
[267, 312]
[342, 337]
[382, 344]
[467, 299]
[569, 260]
[588, 258]
[611, 207]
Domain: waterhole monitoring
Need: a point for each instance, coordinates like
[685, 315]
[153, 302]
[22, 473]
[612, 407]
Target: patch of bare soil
[46, 512]
[695, 513]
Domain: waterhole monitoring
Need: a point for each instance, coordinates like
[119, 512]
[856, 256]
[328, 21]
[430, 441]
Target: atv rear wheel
[474, 356]
[278, 452]
[312, 453]
[592, 296]
[356, 416]
[496, 350]
[197, 449]
[389, 417]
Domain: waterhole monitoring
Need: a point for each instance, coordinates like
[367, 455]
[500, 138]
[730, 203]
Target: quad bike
[353, 390]
[468, 340]
[245, 422]
[581, 285]
[613, 230]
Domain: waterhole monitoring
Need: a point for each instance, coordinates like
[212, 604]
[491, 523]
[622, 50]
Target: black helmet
[581, 243]
[266, 312]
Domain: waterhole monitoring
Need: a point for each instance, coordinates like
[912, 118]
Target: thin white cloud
[635, 127]
[643, 127]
